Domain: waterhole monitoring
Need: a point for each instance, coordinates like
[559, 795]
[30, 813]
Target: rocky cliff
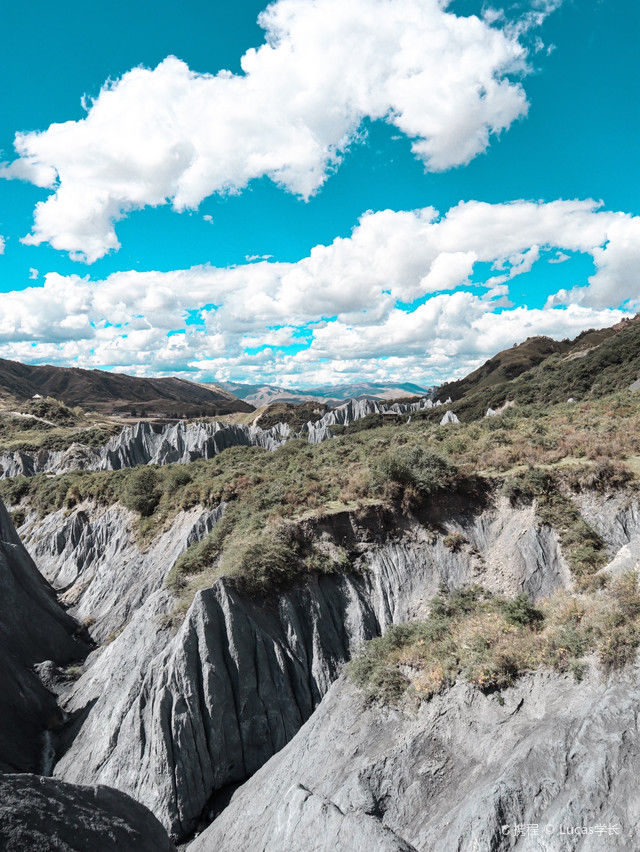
[549, 759]
[175, 719]
[147, 443]
[33, 628]
[357, 409]
[171, 719]
[96, 561]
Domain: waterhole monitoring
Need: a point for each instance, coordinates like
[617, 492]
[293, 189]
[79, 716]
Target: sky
[314, 192]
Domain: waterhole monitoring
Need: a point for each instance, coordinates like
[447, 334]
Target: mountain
[116, 393]
[544, 371]
[420, 633]
[260, 395]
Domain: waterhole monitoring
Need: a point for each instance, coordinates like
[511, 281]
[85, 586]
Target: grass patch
[29, 434]
[490, 641]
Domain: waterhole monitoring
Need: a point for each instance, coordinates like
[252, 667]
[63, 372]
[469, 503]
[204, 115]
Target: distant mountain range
[116, 393]
[260, 395]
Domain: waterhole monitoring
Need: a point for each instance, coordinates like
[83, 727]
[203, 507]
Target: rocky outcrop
[184, 442]
[550, 764]
[148, 443]
[95, 559]
[615, 517]
[449, 417]
[356, 409]
[172, 719]
[33, 628]
[145, 443]
[43, 814]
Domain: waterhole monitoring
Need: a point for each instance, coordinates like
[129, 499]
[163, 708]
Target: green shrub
[490, 641]
[263, 561]
[454, 541]
[521, 612]
[619, 646]
[142, 492]
[414, 469]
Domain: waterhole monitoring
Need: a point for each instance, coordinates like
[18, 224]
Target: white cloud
[173, 135]
[617, 279]
[33, 274]
[2, 244]
[340, 312]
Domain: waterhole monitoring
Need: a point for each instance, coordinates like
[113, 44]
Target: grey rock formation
[465, 771]
[146, 443]
[184, 442]
[101, 569]
[171, 719]
[33, 628]
[615, 517]
[449, 417]
[46, 815]
[356, 409]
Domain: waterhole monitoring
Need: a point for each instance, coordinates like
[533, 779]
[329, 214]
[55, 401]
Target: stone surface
[449, 417]
[356, 409]
[100, 568]
[463, 772]
[33, 628]
[172, 719]
[145, 443]
[148, 443]
[46, 815]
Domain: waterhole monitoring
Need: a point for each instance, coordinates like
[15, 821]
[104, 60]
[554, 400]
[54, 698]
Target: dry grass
[490, 641]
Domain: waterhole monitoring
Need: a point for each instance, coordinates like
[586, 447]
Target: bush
[521, 612]
[262, 561]
[52, 410]
[619, 646]
[454, 541]
[412, 471]
[490, 641]
[142, 493]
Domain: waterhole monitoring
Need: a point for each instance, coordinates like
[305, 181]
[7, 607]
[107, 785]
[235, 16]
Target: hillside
[542, 370]
[116, 393]
[469, 588]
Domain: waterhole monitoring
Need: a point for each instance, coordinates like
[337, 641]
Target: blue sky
[578, 140]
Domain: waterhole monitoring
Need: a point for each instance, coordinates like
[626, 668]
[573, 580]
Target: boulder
[47, 815]
[33, 628]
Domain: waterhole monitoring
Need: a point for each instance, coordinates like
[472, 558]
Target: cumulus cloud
[172, 135]
[1, 244]
[617, 280]
[397, 299]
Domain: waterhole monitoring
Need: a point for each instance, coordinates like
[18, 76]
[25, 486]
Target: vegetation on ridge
[543, 371]
[533, 453]
[490, 641]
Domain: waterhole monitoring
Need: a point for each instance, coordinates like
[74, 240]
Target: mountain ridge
[116, 393]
